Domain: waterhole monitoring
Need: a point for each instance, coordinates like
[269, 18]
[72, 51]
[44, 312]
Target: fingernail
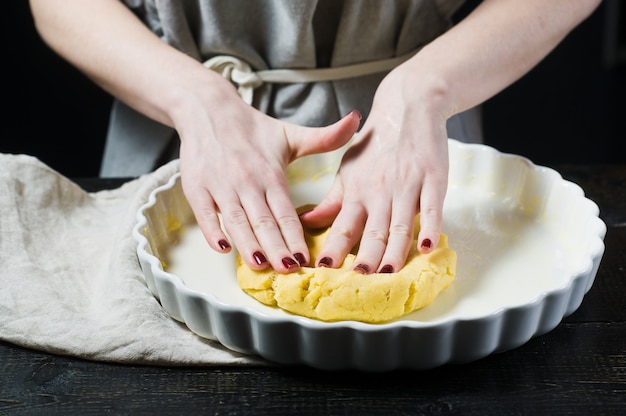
[223, 244]
[426, 243]
[300, 258]
[362, 268]
[259, 258]
[387, 268]
[304, 212]
[358, 113]
[326, 262]
[289, 263]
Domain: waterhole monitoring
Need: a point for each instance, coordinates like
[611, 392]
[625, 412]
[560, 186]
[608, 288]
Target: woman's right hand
[233, 161]
[232, 156]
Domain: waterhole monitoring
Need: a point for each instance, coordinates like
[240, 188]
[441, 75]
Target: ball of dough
[330, 294]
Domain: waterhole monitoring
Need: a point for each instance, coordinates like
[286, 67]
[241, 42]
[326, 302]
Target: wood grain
[579, 368]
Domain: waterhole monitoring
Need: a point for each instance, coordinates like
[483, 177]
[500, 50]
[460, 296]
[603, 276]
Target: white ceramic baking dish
[529, 244]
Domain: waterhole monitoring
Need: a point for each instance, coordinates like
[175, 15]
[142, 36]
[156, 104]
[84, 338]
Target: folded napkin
[70, 282]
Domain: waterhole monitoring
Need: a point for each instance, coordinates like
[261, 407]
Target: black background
[566, 110]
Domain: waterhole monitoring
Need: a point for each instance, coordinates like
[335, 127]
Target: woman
[150, 54]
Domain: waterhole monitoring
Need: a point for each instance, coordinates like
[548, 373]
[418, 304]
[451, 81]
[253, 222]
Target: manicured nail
[326, 262]
[357, 112]
[426, 243]
[223, 244]
[305, 212]
[387, 268]
[362, 268]
[259, 258]
[300, 258]
[289, 263]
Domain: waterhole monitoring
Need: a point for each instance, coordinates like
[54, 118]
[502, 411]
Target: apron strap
[246, 80]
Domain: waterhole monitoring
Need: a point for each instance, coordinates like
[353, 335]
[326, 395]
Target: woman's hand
[232, 156]
[398, 165]
[396, 168]
[233, 161]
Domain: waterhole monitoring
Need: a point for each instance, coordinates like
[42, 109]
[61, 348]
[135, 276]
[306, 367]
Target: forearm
[499, 42]
[106, 41]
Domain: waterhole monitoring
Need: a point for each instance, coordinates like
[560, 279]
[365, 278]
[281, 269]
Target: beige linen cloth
[70, 282]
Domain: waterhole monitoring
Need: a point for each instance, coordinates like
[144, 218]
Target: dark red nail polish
[259, 258]
[387, 268]
[326, 262]
[362, 268]
[300, 258]
[223, 244]
[289, 263]
[426, 243]
[304, 212]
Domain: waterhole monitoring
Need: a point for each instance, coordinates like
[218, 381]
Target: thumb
[305, 141]
[326, 211]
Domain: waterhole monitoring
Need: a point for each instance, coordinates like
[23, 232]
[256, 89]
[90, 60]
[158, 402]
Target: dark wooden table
[579, 368]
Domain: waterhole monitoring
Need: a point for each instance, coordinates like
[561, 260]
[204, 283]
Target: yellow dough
[339, 294]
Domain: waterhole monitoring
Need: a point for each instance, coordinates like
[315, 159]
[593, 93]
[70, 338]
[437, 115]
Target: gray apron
[267, 40]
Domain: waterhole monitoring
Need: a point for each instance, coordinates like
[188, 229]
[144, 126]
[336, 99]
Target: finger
[401, 234]
[373, 240]
[343, 235]
[306, 140]
[238, 227]
[289, 224]
[323, 214]
[208, 220]
[265, 228]
[431, 214]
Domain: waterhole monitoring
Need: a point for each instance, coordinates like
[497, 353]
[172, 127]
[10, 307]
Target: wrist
[202, 94]
[427, 88]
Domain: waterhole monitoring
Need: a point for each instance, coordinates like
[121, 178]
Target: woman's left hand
[396, 167]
